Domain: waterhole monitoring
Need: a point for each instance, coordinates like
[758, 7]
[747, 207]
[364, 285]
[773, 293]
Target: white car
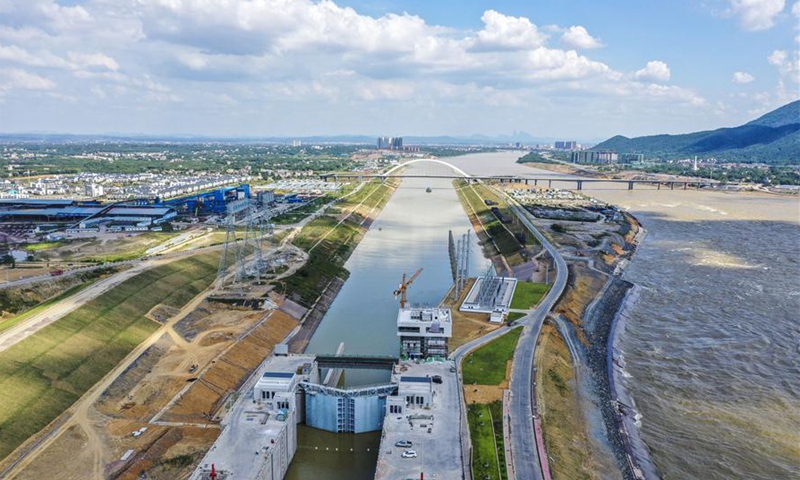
[409, 454]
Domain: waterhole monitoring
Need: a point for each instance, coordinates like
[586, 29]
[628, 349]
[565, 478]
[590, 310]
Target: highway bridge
[578, 183]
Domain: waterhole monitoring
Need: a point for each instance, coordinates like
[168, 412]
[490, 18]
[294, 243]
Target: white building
[93, 190]
[424, 332]
[492, 295]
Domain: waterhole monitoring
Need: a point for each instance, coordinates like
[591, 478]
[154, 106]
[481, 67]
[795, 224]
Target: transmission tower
[459, 261]
[247, 250]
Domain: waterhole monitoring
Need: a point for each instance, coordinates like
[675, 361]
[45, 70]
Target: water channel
[410, 233]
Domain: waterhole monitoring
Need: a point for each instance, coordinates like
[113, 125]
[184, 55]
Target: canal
[410, 233]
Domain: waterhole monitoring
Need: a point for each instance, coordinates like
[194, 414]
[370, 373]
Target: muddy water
[410, 233]
[712, 344]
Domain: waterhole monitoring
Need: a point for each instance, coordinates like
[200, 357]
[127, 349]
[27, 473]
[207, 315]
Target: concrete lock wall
[357, 414]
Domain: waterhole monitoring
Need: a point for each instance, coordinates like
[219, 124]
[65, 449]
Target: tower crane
[403, 287]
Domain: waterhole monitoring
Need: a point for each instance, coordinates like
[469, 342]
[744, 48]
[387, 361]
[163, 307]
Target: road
[523, 446]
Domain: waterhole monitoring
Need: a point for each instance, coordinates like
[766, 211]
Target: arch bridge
[458, 173]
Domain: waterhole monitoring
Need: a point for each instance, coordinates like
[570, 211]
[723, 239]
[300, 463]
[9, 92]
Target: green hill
[772, 138]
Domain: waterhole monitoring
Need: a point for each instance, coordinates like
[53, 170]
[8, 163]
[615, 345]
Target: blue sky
[558, 69]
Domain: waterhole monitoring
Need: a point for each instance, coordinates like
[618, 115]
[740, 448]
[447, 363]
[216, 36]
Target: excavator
[401, 290]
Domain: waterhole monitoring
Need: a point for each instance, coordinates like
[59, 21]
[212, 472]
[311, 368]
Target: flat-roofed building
[424, 332]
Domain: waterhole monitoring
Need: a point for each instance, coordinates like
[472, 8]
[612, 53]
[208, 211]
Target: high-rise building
[566, 145]
[390, 143]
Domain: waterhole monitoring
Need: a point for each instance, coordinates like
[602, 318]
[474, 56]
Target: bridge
[367, 362]
[459, 174]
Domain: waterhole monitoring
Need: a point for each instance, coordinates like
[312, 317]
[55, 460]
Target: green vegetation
[528, 294]
[44, 374]
[487, 365]
[534, 157]
[773, 138]
[725, 173]
[514, 316]
[326, 260]
[17, 300]
[53, 156]
[16, 319]
[486, 433]
[503, 235]
[40, 246]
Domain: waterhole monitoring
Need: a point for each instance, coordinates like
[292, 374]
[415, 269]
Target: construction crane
[401, 290]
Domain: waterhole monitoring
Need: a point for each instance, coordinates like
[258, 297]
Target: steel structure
[246, 248]
[459, 261]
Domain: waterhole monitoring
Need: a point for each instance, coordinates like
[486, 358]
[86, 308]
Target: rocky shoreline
[605, 324]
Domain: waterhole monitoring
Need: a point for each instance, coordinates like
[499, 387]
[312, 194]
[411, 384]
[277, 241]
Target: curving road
[524, 452]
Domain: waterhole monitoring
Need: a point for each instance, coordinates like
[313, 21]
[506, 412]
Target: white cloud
[87, 60]
[742, 77]
[756, 14]
[311, 54]
[15, 78]
[654, 71]
[777, 58]
[578, 37]
[503, 32]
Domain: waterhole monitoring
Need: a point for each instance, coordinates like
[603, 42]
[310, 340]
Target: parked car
[437, 379]
[409, 454]
[403, 444]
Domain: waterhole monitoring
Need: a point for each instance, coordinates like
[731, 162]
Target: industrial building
[490, 294]
[424, 332]
[82, 215]
[214, 202]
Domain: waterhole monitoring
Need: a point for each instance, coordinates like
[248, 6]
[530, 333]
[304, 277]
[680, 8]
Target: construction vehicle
[403, 287]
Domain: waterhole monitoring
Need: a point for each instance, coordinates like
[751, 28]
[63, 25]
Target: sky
[565, 69]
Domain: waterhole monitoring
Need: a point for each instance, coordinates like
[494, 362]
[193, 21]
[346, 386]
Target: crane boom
[403, 287]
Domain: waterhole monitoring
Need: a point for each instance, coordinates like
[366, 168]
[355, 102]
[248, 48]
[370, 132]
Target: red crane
[401, 290]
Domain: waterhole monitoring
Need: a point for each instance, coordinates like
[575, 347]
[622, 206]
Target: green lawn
[44, 374]
[485, 461]
[528, 294]
[512, 316]
[487, 365]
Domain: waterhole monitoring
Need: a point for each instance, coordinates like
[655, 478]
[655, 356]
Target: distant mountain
[485, 140]
[772, 138]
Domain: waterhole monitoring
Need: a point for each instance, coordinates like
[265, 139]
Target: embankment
[603, 327]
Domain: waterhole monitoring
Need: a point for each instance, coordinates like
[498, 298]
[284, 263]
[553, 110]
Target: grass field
[565, 435]
[506, 243]
[528, 294]
[512, 316]
[486, 460]
[44, 374]
[487, 365]
[326, 260]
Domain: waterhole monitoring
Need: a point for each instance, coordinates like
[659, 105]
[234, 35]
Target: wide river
[410, 233]
[712, 344]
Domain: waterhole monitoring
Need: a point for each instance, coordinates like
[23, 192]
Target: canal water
[712, 345]
[410, 233]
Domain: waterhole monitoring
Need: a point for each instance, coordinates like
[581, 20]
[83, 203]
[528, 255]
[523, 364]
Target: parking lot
[434, 432]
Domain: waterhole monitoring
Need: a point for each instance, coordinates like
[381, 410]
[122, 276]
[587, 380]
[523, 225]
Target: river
[712, 343]
[410, 233]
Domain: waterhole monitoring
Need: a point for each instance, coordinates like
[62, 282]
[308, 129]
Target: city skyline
[273, 68]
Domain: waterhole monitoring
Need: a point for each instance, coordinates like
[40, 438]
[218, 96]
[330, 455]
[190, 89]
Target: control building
[424, 332]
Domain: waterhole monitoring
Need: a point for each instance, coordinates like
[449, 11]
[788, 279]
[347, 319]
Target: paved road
[523, 444]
